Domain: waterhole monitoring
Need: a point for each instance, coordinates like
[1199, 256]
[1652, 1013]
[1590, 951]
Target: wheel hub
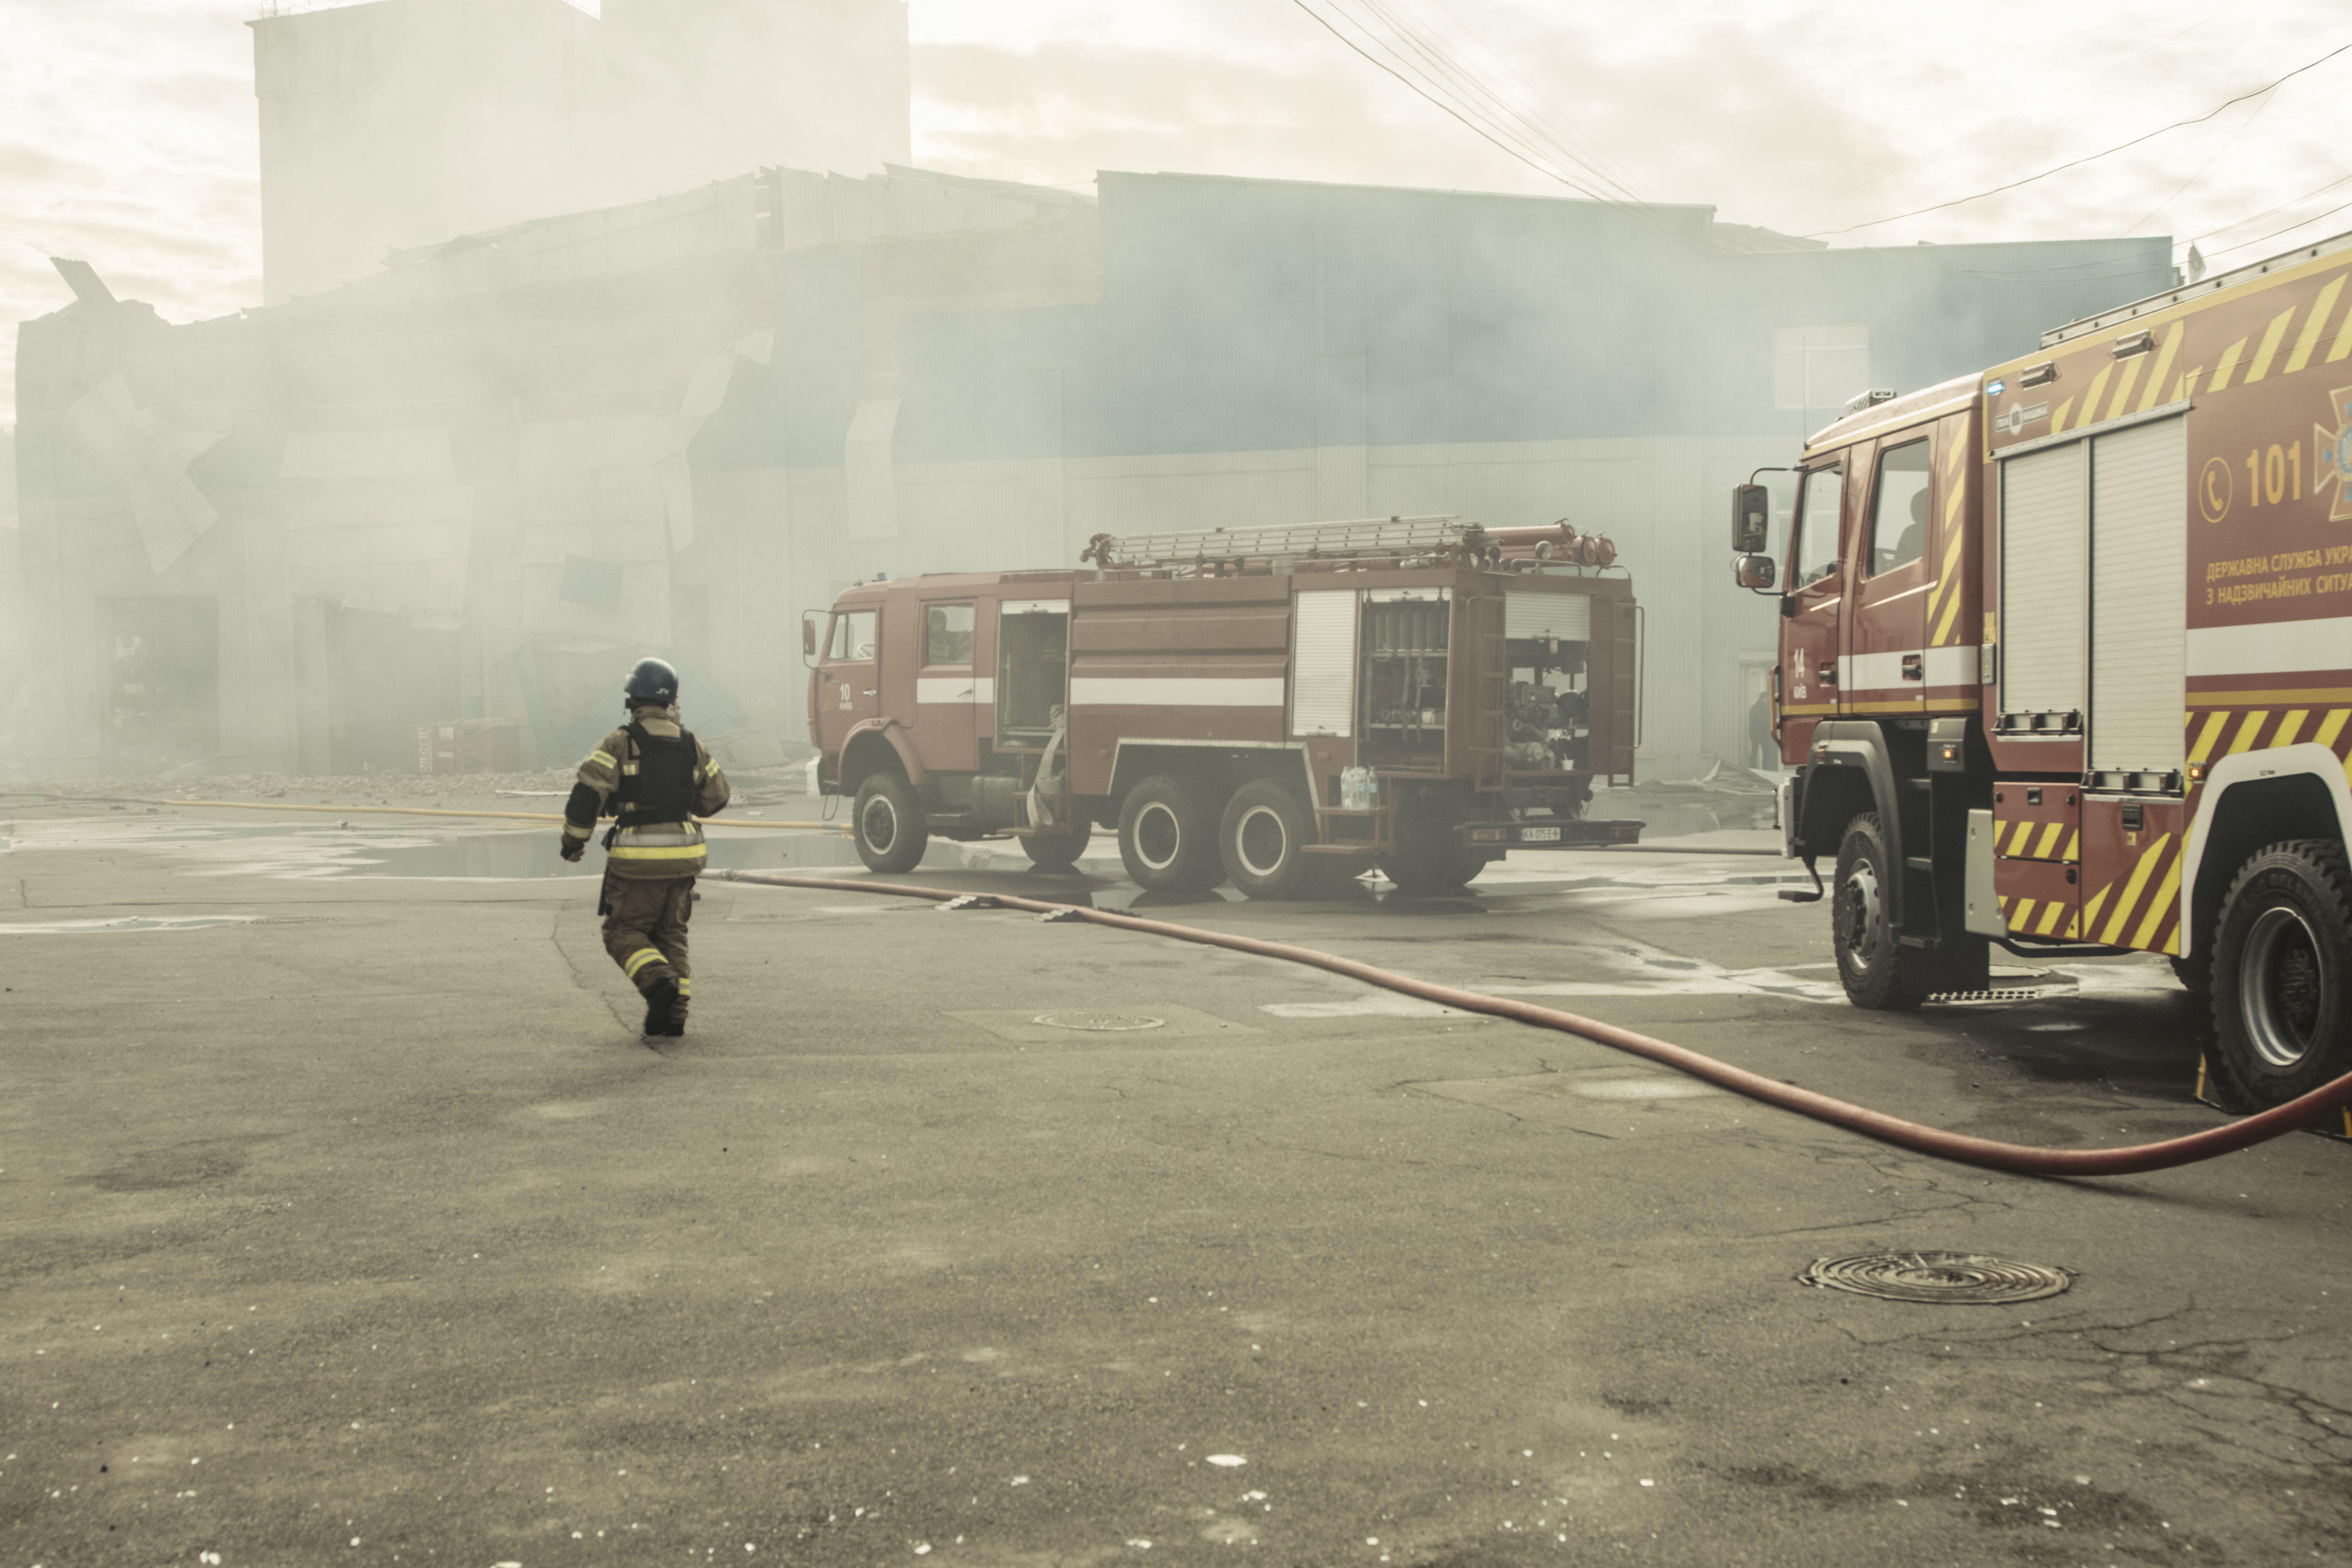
[1158, 836]
[1262, 841]
[2279, 988]
[880, 822]
[1858, 911]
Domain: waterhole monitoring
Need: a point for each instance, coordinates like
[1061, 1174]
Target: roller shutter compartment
[2139, 596]
[2043, 576]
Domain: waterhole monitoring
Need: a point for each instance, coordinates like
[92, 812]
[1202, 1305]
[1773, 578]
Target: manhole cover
[1958, 1279]
[1100, 1023]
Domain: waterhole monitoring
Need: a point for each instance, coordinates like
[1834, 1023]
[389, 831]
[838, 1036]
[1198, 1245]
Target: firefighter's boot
[661, 1002]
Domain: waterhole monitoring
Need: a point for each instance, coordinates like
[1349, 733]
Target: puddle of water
[1382, 1005]
[134, 922]
[1643, 1088]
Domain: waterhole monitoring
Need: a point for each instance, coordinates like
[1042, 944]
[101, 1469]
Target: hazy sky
[127, 127]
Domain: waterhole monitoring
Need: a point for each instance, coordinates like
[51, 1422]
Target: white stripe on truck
[2271, 648]
[1177, 691]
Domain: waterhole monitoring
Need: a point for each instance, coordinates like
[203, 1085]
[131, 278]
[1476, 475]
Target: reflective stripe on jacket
[653, 849]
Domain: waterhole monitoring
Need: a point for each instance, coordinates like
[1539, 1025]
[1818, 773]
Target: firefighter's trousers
[644, 930]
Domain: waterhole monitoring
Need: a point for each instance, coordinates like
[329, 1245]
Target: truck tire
[1262, 840]
[1167, 835]
[1878, 972]
[2282, 960]
[1429, 861]
[1056, 851]
[887, 824]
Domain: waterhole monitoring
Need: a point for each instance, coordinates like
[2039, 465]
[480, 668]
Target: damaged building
[478, 482]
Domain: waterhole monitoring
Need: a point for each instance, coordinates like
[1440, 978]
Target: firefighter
[656, 778]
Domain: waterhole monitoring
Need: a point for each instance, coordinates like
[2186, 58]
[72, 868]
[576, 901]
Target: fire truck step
[1918, 863]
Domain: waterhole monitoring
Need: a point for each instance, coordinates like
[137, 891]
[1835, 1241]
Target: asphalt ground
[344, 1217]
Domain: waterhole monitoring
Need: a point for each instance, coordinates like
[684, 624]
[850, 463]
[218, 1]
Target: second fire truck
[1258, 705]
[2065, 662]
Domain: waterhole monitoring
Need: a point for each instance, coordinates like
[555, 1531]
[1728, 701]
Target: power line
[1500, 130]
[2090, 158]
[1988, 125]
[2268, 212]
[1477, 90]
[1599, 157]
[2299, 223]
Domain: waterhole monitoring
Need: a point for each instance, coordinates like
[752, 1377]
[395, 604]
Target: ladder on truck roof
[1366, 536]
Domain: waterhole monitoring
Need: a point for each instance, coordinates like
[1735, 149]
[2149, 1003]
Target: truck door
[1884, 667]
[947, 708]
[1809, 634]
[848, 678]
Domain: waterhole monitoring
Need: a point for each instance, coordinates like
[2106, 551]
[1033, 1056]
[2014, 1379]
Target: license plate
[1538, 835]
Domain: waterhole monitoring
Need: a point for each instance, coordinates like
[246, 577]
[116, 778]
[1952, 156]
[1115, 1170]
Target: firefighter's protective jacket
[656, 786]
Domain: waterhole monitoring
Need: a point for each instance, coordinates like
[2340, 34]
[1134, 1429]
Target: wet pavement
[347, 1217]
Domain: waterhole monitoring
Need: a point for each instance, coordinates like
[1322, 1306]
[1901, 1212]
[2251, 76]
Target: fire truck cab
[2065, 663]
[1266, 706]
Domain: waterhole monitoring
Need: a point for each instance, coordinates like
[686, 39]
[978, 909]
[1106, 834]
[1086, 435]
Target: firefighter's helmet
[653, 682]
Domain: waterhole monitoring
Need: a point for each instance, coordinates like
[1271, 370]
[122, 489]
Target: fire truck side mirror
[1751, 519]
[808, 633]
[1753, 571]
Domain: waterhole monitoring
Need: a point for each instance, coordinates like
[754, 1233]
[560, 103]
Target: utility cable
[1987, 1154]
[2087, 158]
[2000, 120]
[1496, 135]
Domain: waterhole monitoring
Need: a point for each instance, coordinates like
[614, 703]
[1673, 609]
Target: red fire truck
[2065, 662]
[1262, 704]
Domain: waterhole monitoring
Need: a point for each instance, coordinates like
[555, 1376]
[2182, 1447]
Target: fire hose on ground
[1984, 1153]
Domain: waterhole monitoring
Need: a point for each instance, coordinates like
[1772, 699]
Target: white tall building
[401, 123]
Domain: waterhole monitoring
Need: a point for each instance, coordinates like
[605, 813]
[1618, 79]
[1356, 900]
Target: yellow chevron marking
[2124, 387]
[1952, 613]
[2073, 848]
[2049, 925]
[2163, 363]
[2247, 731]
[2172, 943]
[2343, 344]
[1947, 583]
[2332, 726]
[2212, 733]
[2159, 905]
[2058, 420]
[2289, 725]
[2308, 339]
[2091, 910]
[2271, 336]
[2130, 895]
[1959, 449]
[2020, 840]
[2229, 363]
[2187, 387]
[2048, 840]
[2091, 398]
[2022, 917]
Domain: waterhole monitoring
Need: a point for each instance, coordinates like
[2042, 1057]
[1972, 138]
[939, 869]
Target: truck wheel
[1264, 839]
[1878, 972]
[1167, 837]
[888, 823]
[2281, 959]
[1056, 851]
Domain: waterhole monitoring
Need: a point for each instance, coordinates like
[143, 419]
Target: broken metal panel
[150, 455]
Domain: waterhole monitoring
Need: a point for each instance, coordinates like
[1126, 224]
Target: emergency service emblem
[2331, 456]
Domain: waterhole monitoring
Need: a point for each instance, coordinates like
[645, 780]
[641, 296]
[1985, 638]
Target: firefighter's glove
[573, 848]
